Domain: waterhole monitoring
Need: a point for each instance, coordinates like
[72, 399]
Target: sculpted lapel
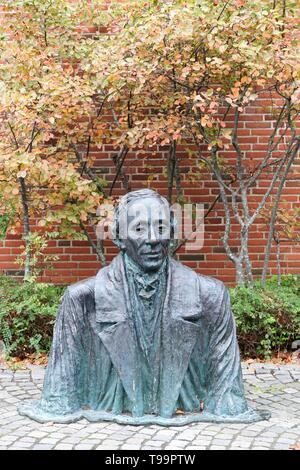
[180, 328]
[181, 318]
[116, 328]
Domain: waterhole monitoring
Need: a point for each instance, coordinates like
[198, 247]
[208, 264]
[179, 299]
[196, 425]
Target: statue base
[32, 410]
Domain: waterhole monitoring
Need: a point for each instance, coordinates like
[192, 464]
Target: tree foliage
[198, 66]
[137, 74]
[46, 104]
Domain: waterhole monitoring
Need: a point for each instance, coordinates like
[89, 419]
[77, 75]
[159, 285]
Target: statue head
[143, 228]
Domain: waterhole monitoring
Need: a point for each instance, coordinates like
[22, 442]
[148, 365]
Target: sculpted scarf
[147, 293]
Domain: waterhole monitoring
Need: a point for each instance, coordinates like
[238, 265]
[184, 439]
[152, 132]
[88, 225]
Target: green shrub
[267, 318]
[27, 315]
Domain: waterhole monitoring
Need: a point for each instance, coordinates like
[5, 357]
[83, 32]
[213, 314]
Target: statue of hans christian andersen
[145, 337]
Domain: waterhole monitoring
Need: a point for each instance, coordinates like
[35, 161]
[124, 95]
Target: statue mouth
[152, 255]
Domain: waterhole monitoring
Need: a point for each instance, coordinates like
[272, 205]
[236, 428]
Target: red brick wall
[77, 261]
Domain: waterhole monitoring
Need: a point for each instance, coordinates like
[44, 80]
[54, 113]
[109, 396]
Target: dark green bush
[267, 319]
[27, 315]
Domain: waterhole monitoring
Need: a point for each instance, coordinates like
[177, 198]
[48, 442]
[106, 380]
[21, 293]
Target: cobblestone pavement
[268, 386]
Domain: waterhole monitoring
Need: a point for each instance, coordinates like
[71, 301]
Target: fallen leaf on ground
[295, 447]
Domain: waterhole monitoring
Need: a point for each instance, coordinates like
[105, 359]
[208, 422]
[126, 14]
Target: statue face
[148, 232]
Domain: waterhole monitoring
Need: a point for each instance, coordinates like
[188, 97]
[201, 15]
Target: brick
[76, 258]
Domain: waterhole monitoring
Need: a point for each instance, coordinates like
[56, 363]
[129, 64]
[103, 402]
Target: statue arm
[63, 385]
[224, 375]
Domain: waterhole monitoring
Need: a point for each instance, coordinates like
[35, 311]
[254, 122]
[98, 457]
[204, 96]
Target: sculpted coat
[94, 362]
[147, 340]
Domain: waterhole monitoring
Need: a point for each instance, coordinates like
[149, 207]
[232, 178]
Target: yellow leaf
[22, 174]
[204, 121]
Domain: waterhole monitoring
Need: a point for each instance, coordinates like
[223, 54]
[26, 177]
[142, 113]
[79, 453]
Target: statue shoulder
[207, 283]
[182, 271]
[82, 290]
[209, 287]
[215, 298]
[211, 284]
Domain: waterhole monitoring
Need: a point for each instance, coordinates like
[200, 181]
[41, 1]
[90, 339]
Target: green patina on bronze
[146, 341]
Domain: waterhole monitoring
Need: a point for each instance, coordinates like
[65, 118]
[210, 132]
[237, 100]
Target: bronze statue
[147, 340]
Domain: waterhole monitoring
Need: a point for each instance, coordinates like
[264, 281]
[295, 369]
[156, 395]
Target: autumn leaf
[22, 174]
[295, 447]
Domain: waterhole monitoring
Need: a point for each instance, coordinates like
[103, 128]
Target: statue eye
[139, 228]
[162, 229]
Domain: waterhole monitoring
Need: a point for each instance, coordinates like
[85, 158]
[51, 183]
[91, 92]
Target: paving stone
[42, 447]
[273, 388]
[156, 444]
[133, 440]
[18, 447]
[180, 443]
[193, 447]
[224, 435]
[23, 445]
[164, 435]
[296, 399]
[285, 380]
[72, 440]
[38, 434]
[285, 440]
[290, 390]
[63, 447]
[243, 443]
[83, 446]
[209, 433]
[48, 440]
[129, 447]
[262, 439]
[190, 434]
[12, 400]
[295, 375]
[104, 447]
[248, 433]
[260, 448]
[221, 442]
[99, 436]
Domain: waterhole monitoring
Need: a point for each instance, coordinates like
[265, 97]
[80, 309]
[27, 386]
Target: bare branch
[119, 162]
[14, 135]
[98, 249]
[88, 170]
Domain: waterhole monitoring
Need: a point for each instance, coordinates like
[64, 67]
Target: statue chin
[148, 263]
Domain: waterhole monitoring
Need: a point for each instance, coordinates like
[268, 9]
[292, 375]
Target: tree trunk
[26, 227]
[97, 247]
[275, 209]
[239, 273]
[171, 170]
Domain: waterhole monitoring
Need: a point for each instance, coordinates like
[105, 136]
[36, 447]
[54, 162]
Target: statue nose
[153, 238]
